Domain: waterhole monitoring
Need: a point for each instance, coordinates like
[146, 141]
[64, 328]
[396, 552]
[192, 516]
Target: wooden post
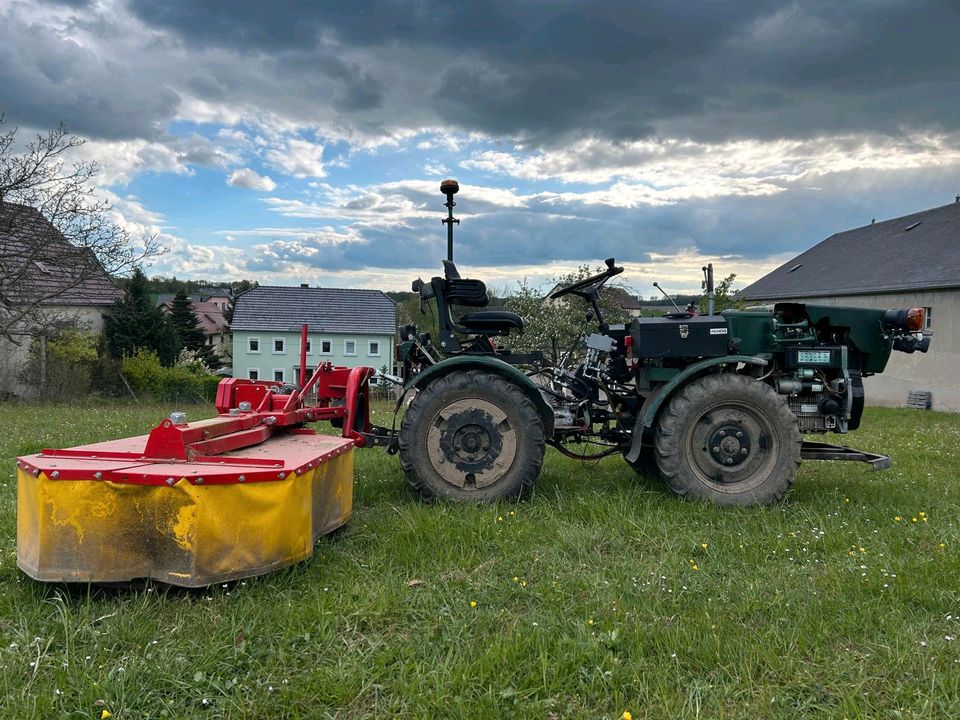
[43, 365]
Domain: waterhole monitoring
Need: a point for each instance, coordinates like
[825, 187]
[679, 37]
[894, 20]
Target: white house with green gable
[345, 327]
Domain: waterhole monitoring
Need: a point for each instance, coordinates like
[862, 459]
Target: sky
[290, 142]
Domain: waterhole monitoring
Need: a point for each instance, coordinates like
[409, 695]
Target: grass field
[601, 594]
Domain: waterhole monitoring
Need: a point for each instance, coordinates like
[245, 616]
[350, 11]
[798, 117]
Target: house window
[326, 347]
[278, 374]
[309, 346]
[253, 373]
[279, 345]
[309, 374]
[253, 345]
[349, 347]
[928, 318]
[373, 348]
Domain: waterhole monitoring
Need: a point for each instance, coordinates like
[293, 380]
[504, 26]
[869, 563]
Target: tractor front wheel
[471, 436]
[729, 439]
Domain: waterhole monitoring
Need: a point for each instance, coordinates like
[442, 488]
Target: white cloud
[300, 158]
[663, 171]
[121, 160]
[250, 179]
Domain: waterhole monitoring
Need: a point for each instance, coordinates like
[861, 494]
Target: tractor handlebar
[579, 287]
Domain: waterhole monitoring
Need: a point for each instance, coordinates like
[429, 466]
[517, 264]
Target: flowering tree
[554, 327]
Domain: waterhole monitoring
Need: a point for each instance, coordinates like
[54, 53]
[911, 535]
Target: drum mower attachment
[194, 503]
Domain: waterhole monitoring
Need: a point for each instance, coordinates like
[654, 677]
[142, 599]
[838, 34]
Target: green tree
[554, 327]
[189, 332]
[724, 296]
[136, 323]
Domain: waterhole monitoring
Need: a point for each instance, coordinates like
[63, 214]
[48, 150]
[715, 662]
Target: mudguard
[648, 413]
[487, 364]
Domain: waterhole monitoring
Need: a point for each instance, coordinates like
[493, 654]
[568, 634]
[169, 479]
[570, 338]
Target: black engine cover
[679, 337]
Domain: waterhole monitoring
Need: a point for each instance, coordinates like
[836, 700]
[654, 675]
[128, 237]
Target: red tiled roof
[209, 316]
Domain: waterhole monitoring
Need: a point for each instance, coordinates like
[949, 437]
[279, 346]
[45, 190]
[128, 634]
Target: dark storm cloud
[618, 70]
[44, 81]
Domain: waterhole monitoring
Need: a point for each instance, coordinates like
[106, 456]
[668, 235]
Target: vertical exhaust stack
[708, 286]
[450, 188]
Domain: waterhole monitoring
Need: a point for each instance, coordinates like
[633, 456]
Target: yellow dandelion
[473, 603]
[512, 513]
[626, 715]
[704, 546]
[862, 550]
[921, 513]
[694, 567]
[846, 499]
[523, 583]
[924, 518]
[516, 579]
[499, 518]
[913, 519]
[104, 714]
[897, 518]
[942, 546]
[590, 621]
[851, 553]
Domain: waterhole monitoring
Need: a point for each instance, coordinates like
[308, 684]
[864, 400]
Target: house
[628, 303]
[210, 317]
[46, 284]
[910, 261]
[346, 327]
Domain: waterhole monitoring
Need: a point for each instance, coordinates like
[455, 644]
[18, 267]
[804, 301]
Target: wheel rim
[733, 446]
[471, 443]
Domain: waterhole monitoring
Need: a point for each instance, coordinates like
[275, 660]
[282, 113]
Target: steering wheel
[578, 287]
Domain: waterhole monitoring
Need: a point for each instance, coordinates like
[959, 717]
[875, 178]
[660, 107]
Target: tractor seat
[491, 322]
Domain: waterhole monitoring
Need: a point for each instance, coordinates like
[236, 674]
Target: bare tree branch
[58, 241]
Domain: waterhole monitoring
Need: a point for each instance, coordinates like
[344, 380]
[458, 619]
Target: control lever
[657, 286]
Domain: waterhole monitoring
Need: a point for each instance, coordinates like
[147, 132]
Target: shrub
[181, 383]
[71, 359]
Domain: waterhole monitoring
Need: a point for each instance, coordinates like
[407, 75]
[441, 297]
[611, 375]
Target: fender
[487, 364]
[648, 413]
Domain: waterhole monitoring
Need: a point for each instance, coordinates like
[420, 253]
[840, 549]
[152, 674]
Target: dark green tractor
[718, 405]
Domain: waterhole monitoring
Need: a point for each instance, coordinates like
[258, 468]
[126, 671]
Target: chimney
[873, 220]
[956, 198]
[304, 285]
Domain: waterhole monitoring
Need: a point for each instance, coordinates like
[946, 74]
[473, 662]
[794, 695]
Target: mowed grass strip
[601, 593]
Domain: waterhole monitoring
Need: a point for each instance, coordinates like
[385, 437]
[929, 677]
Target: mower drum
[84, 517]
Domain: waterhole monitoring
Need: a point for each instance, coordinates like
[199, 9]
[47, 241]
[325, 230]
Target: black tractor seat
[491, 322]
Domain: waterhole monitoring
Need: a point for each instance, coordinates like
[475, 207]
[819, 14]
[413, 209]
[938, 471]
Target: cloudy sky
[298, 142]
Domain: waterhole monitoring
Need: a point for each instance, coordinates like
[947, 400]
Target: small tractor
[716, 404]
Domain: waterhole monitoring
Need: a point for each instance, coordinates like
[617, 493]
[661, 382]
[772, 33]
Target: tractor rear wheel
[471, 436]
[729, 439]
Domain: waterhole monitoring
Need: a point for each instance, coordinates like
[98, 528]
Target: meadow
[598, 596]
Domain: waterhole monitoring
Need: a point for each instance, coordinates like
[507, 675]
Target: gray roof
[39, 265]
[914, 252]
[285, 309]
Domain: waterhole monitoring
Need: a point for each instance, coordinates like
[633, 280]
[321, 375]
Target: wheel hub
[471, 440]
[729, 445]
